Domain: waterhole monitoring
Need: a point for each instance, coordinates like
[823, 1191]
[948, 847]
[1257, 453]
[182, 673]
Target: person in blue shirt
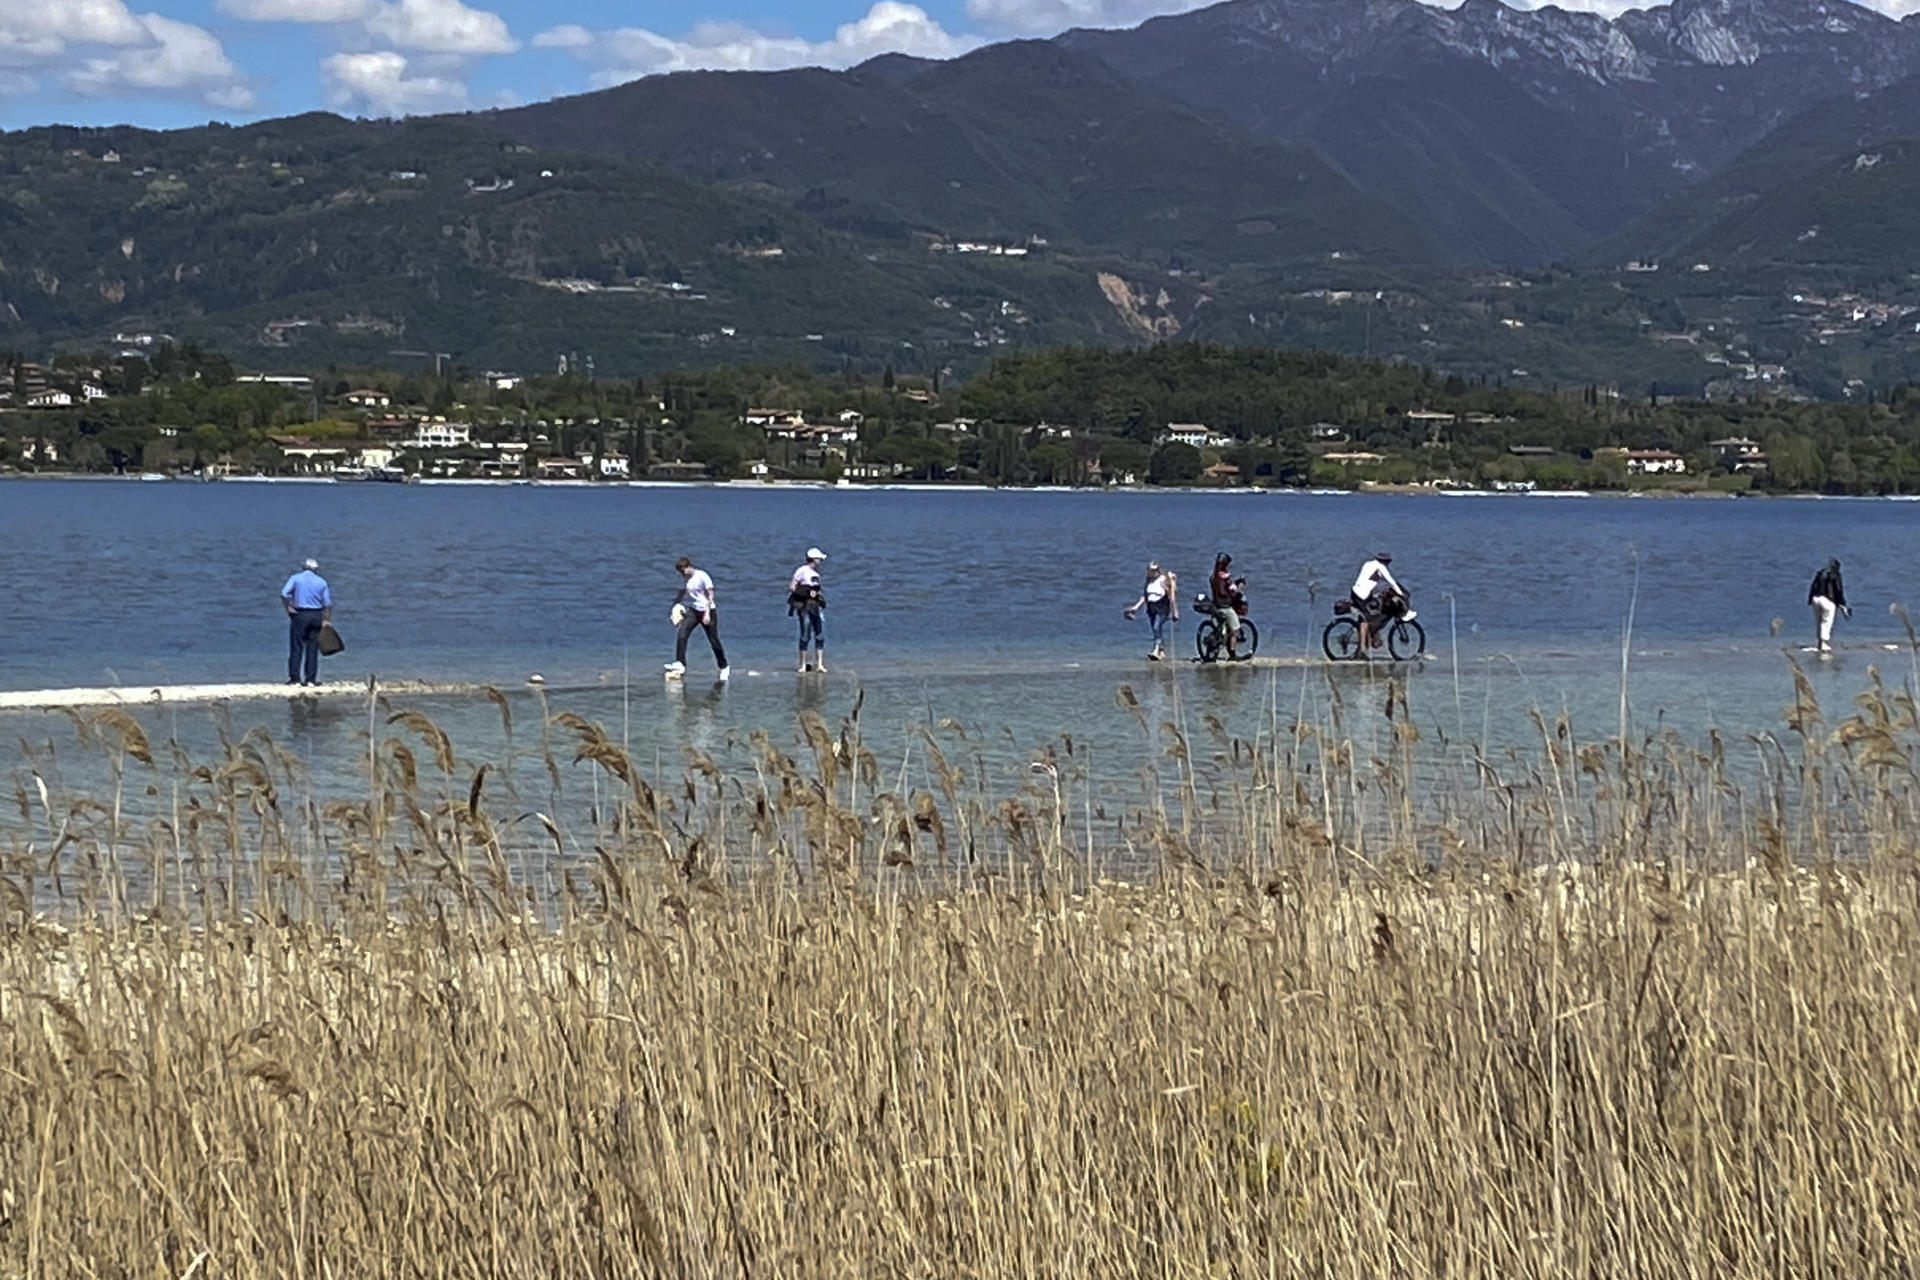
[309, 604]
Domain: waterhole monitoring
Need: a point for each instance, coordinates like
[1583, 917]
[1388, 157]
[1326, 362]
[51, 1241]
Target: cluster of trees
[178, 408]
[1281, 407]
[1056, 416]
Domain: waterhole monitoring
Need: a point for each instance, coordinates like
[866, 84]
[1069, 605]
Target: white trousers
[1823, 611]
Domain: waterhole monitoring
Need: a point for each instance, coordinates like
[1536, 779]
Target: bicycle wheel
[1341, 640]
[1406, 640]
[1249, 640]
[1206, 641]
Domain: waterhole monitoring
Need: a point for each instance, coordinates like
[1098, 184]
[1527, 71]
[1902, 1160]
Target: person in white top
[696, 608]
[807, 602]
[1371, 591]
[1160, 597]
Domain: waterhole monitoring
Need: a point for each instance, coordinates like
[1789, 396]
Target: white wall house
[441, 435]
[1655, 462]
[1195, 434]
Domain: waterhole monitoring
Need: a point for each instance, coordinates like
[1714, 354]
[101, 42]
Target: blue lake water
[1001, 610]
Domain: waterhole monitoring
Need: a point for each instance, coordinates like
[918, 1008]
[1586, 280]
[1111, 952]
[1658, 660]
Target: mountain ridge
[1657, 98]
[1015, 140]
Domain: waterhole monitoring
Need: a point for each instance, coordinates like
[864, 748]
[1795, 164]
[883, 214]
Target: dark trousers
[303, 644]
[707, 622]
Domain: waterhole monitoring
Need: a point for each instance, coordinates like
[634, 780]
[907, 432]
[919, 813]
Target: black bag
[330, 641]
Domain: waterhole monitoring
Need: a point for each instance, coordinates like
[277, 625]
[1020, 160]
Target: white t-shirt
[698, 592]
[1372, 574]
[1157, 587]
[805, 576]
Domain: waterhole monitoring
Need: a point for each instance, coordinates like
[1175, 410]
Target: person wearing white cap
[807, 602]
[1160, 597]
[309, 604]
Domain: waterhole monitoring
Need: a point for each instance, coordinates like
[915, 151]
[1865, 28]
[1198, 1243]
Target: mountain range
[1517, 136]
[1251, 171]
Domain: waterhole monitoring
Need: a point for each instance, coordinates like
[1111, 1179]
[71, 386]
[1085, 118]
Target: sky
[169, 63]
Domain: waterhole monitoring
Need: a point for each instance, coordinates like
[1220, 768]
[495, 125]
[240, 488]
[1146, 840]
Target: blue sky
[166, 63]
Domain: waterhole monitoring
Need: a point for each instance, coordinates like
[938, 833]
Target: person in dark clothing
[1229, 595]
[1828, 596]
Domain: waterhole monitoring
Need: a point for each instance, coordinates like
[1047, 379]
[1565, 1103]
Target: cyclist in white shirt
[1371, 590]
[807, 602]
[696, 608]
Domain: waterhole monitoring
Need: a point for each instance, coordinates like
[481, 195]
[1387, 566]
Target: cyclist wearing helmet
[1372, 592]
[1229, 602]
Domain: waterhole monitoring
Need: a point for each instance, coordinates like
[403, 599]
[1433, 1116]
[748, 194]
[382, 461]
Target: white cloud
[35, 31]
[385, 84]
[631, 52]
[442, 27]
[316, 12]
[569, 36]
[174, 58]
[402, 57]
[100, 48]
[1046, 17]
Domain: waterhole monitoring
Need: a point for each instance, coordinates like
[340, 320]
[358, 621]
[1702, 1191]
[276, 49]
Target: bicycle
[1210, 640]
[1405, 638]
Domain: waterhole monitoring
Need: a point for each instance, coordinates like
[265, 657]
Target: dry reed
[1615, 1009]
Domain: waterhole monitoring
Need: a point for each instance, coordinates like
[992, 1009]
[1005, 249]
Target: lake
[999, 610]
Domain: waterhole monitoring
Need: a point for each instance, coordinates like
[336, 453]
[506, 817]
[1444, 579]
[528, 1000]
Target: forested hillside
[1173, 414]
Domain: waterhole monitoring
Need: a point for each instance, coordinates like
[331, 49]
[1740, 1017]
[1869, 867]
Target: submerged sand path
[152, 695]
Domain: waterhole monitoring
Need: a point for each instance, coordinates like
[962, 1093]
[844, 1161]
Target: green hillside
[446, 234]
[836, 243]
[1013, 141]
[1853, 216]
[1758, 206]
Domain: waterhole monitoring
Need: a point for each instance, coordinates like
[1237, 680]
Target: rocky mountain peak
[1740, 32]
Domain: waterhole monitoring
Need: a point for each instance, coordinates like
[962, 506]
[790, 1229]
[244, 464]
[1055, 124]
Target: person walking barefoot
[807, 602]
[1160, 597]
[697, 610]
[1828, 596]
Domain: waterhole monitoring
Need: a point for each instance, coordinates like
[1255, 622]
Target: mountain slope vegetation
[1014, 141]
[1379, 177]
[1517, 136]
[368, 236]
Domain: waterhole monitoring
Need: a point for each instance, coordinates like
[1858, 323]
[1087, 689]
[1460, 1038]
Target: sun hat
[815, 553]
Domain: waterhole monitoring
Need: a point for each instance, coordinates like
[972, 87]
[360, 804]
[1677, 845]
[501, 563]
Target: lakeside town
[167, 411]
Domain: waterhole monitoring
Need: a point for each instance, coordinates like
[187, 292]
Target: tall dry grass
[1612, 1010]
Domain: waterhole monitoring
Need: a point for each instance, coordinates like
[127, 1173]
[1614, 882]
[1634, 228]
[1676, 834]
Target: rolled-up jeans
[303, 644]
[1158, 611]
[710, 622]
[812, 624]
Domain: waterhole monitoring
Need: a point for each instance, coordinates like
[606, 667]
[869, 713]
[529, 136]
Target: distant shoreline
[1390, 491]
